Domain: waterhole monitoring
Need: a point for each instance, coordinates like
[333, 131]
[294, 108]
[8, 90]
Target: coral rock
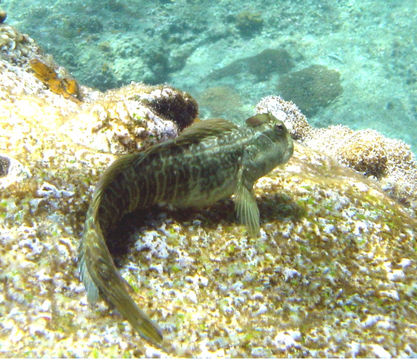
[311, 88]
[16, 47]
[173, 104]
[4, 165]
[287, 112]
[364, 151]
[132, 118]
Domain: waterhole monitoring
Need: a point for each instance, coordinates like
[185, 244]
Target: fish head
[271, 145]
[275, 130]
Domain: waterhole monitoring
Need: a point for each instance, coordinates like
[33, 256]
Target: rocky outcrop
[332, 274]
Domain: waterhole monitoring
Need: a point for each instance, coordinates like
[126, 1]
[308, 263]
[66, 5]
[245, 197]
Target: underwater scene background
[333, 272]
[350, 62]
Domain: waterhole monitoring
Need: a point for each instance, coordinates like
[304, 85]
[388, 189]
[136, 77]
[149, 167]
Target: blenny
[208, 161]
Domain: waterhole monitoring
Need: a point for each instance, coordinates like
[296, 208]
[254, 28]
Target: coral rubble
[15, 46]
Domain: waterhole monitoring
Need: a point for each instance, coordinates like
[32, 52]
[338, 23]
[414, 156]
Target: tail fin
[100, 277]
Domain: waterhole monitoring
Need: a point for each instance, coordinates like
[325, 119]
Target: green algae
[175, 268]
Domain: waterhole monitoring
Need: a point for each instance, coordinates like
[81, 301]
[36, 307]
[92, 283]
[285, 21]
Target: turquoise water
[229, 54]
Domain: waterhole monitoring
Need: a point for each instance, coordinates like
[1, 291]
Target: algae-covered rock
[332, 274]
[287, 112]
[312, 88]
[174, 105]
[132, 118]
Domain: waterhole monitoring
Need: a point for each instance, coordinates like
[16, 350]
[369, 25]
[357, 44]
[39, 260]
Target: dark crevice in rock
[4, 166]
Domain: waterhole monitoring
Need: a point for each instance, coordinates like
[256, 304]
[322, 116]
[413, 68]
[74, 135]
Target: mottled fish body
[209, 161]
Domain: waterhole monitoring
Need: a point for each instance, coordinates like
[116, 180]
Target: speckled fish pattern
[209, 161]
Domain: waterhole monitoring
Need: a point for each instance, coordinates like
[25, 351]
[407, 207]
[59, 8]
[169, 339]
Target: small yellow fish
[209, 161]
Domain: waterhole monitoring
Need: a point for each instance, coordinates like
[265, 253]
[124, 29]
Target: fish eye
[279, 127]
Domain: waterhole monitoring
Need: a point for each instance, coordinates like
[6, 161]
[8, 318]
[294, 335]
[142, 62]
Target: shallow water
[216, 51]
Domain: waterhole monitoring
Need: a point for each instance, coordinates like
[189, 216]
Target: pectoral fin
[247, 209]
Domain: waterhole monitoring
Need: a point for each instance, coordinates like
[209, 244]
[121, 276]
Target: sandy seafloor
[371, 43]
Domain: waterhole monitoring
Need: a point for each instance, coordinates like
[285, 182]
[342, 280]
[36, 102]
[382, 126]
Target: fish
[209, 161]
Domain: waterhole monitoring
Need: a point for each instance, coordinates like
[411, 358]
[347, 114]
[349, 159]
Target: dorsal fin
[260, 119]
[194, 134]
[191, 135]
[202, 129]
